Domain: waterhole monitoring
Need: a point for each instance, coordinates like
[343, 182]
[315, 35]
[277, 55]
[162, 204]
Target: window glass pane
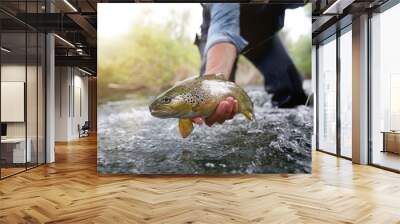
[345, 94]
[32, 86]
[31, 97]
[385, 83]
[22, 88]
[13, 86]
[41, 98]
[327, 97]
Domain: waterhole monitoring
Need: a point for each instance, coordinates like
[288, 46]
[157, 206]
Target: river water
[131, 141]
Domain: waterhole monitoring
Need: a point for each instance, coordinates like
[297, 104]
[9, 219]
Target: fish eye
[166, 100]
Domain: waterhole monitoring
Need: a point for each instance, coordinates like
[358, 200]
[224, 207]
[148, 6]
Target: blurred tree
[300, 49]
[150, 58]
[300, 52]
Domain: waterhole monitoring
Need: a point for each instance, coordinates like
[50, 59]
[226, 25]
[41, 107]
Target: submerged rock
[131, 141]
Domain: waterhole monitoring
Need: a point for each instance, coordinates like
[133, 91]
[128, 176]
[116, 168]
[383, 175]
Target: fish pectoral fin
[249, 115]
[185, 127]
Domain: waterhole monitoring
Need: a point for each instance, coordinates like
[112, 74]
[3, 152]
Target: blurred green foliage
[300, 52]
[300, 49]
[148, 59]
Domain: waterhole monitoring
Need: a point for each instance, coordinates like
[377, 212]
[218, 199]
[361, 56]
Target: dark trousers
[281, 77]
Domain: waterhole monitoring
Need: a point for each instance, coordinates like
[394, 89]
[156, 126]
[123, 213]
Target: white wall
[12, 73]
[80, 109]
[71, 94]
[62, 82]
[16, 73]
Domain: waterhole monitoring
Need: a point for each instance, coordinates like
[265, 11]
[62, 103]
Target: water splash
[132, 141]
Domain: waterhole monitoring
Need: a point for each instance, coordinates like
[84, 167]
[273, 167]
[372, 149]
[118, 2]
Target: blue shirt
[224, 25]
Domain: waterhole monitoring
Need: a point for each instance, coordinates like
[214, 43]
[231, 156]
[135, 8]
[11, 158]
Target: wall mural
[174, 98]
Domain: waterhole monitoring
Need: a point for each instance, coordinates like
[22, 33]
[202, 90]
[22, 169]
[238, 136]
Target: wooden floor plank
[70, 191]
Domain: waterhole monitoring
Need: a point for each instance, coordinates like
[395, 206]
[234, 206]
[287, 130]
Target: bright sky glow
[297, 23]
[116, 19]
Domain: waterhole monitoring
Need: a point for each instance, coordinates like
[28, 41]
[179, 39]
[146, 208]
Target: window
[327, 96]
[22, 88]
[385, 89]
[346, 93]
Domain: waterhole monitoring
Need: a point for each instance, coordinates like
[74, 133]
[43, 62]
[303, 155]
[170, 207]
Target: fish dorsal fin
[218, 76]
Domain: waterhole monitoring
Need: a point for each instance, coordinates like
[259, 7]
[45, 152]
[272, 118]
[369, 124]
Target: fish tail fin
[245, 106]
[185, 127]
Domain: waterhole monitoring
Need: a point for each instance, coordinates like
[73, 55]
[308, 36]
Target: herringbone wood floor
[70, 191]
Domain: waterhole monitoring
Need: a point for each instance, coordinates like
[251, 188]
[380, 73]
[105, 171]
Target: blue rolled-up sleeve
[225, 25]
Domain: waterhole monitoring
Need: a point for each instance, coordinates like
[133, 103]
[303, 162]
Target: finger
[215, 116]
[234, 110]
[223, 112]
[233, 102]
[209, 123]
[229, 110]
[198, 120]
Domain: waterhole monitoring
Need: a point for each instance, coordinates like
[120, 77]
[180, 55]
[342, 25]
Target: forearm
[221, 58]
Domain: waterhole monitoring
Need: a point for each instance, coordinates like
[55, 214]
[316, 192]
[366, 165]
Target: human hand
[226, 110]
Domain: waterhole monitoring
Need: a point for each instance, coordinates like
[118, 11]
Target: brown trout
[199, 97]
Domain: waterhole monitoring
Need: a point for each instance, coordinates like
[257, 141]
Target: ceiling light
[337, 7]
[65, 41]
[70, 5]
[326, 11]
[79, 51]
[5, 50]
[84, 71]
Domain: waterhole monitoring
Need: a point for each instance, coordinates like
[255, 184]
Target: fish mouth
[159, 112]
